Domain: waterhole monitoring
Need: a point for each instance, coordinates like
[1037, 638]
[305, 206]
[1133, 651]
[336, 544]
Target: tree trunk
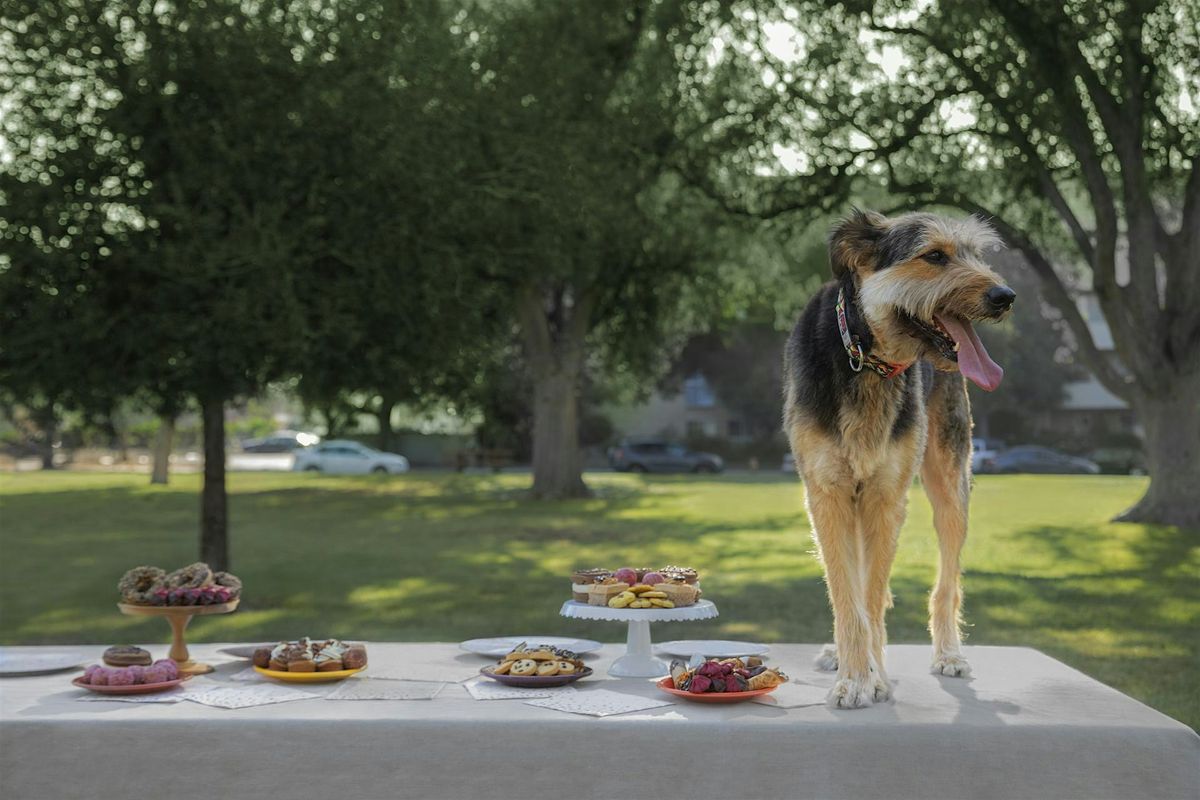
[214, 527]
[557, 462]
[1172, 425]
[163, 441]
[384, 415]
[47, 423]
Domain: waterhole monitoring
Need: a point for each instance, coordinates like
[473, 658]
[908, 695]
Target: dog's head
[921, 281]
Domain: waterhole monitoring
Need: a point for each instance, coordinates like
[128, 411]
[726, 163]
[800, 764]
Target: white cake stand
[638, 661]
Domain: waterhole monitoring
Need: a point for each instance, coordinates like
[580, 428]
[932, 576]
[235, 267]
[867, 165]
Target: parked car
[788, 464]
[343, 457]
[657, 455]
[1032, 458]
[280, 442]
[982, 451]
[1120, 460]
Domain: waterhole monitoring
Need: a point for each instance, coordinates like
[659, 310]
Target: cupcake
[582, 581]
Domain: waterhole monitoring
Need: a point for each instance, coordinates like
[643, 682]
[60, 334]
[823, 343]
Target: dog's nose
[1000, 298]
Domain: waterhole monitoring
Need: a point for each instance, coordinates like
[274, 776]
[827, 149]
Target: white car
[343, 457]
[982, 454]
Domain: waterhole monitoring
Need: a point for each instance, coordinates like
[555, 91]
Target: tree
[576, 108]
[1067, 125]
[178, 131]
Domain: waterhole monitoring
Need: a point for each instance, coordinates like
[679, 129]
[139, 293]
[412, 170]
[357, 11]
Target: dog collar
[859, 359]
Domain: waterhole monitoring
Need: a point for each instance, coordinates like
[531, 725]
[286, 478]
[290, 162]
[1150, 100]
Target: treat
[159, 672]
[193, 585]
[653, 578]
[309, 655]
[125, 655]
[642, 596]
[680, 575]
[121, 676]
[583, 580]
[193, 576]
[168, 666]
[626, 575]
[727, 675]
[600, 593]
[642, 572]
[538, 660]
[154, 674]
[681, 594]
[138, 584]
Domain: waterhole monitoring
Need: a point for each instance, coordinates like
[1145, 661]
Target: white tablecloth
[1026, 726]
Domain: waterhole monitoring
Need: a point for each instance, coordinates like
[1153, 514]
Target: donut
[126, 655]
[229, 581]
[138, 584]
[193, 576]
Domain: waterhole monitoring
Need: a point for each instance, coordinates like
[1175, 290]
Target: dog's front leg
[831, 510]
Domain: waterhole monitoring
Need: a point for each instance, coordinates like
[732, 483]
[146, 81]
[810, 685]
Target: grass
[447, 557]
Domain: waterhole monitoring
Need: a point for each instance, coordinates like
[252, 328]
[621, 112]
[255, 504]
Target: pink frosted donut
[154, 674]
[122, 676]
[168, 666]
[136, 671]
[90, 673]
[100, 676]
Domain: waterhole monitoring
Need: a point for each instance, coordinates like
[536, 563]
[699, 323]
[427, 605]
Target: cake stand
[179, 617]
[638, 661]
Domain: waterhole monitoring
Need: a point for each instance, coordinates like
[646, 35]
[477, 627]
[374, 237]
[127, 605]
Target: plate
[712, 648]
[308, 677]
[244, 650]
[535, 681]
[503, 645]
[137, 688]
[668, 686]
[18, 662]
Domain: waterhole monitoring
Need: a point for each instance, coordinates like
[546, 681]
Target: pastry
[680, 575]
[599, 594]
[193, 576]
[681, 594]
[524, 666]
[139, 584]
[626, 575]
[582, 580]
[328, 657]
[302, 665]
[262, 657]
[169, 667]
[566, 668]
[355, 657]
[230, 582]
[547, 668]
[125, 655]
[154, 675]
[121, 676]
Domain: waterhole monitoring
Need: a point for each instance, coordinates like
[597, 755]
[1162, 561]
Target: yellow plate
[308, 677]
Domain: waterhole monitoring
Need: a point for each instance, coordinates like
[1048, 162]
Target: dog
[874, 389]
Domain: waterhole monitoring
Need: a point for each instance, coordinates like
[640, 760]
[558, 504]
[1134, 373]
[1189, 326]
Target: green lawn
[448, 557]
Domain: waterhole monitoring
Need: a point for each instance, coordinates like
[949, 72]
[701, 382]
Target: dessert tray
[535, 681]
[639, 661]
[137, 688]
[308, 677]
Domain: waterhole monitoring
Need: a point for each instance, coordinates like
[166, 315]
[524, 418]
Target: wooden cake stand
[179, 617]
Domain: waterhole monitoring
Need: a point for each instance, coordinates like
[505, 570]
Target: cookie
[547, 668]
[542, 655]
[503, 667]
[566, 668]
[526, 666]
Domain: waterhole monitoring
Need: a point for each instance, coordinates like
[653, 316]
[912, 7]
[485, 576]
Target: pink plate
[137, 688]
[668, 686]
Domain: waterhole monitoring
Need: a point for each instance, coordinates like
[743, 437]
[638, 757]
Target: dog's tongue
[973, 358]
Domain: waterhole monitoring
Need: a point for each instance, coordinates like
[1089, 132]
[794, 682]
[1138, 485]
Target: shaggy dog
[874, 390]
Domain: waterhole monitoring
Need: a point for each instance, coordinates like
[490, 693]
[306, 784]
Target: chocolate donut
[139, 584]
[126, 655]
[193, 576]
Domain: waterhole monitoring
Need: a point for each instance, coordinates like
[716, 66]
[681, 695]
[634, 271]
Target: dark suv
[658, 455]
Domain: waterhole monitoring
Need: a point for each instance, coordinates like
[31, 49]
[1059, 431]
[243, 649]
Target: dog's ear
[854, 241]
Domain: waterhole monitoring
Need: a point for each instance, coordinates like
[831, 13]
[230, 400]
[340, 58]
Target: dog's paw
[849, 693]
[952, 665]
[881, 689]
[827, 661]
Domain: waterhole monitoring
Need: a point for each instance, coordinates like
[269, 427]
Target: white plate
[16, 661]
[503, 645]
[713, 648]
[244, 650]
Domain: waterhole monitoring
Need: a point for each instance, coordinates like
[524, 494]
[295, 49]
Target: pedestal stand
[179, 617]
[639, 661]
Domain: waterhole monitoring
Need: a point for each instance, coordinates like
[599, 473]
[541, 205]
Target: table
[1026, 726]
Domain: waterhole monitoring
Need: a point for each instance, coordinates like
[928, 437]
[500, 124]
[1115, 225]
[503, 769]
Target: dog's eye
[936, 257]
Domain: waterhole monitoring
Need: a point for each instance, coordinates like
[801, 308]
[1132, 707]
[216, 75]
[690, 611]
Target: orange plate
[668, 686]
